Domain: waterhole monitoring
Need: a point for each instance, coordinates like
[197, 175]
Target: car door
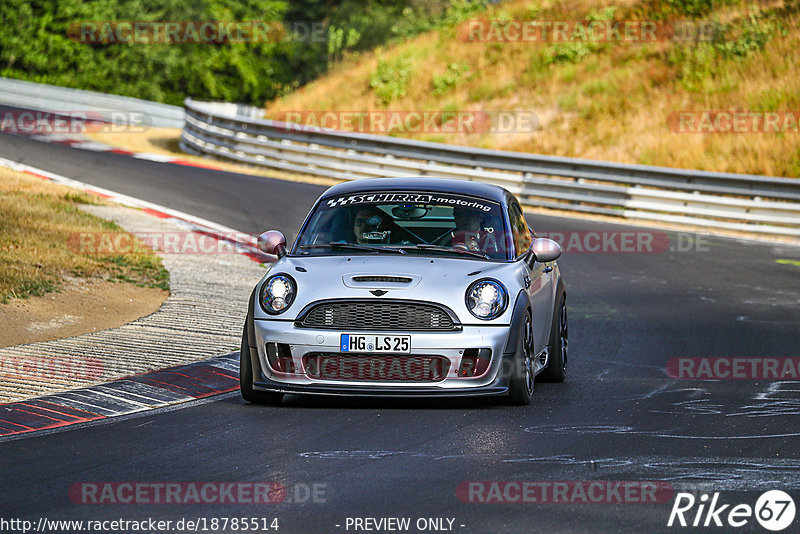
[539, 279]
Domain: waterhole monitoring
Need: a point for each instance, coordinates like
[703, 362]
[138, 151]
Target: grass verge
[38, 218]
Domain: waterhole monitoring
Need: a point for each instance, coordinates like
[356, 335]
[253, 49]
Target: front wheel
[556, 370]
[521, 383]
[246, 378]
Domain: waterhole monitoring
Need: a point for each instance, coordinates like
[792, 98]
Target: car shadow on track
[371, 403]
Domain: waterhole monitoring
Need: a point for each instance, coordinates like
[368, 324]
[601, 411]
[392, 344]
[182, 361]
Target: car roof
[420, 183]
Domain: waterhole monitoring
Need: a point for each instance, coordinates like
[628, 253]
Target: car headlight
[486, 299]
[277, 294]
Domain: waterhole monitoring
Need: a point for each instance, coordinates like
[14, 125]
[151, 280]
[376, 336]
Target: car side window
[522, 235]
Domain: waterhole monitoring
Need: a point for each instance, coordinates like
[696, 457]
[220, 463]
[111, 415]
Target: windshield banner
[413, 198]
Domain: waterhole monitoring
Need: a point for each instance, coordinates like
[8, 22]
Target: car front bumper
[448, 345]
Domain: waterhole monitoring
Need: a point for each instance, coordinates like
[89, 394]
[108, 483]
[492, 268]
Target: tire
[246, 378]
[522, 379]
[556, 370]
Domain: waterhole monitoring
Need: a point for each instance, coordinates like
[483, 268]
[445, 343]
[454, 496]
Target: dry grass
[162, 141]
[38, 218]
[613, 103]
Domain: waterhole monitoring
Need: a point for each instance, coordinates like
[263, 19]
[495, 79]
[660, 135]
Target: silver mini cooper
[407, 287]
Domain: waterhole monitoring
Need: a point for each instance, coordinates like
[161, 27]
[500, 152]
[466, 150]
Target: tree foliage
[36, 44]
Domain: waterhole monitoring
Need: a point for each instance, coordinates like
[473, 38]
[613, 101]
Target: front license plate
[379, 343]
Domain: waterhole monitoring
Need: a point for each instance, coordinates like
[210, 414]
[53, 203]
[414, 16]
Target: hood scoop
[381, 281]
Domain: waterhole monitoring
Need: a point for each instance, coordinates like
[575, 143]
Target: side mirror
[545, 250]
[272, 242]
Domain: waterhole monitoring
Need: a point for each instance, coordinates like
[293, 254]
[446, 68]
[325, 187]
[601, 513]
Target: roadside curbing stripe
[132, 394]
[83, 143]
[155, 389]
[20, 417]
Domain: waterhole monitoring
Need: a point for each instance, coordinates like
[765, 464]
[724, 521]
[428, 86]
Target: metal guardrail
[29, 95]
[750, 203]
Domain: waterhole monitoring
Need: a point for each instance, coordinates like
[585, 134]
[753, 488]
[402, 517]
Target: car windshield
[430, 224]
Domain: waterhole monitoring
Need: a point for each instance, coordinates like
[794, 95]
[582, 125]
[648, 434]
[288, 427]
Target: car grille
[375, 368]
[371, 315]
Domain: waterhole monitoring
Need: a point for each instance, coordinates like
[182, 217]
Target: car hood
[424, 278]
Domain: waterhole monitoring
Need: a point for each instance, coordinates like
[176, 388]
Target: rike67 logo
[774, 510]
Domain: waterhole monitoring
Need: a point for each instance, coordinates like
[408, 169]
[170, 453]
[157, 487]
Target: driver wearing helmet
[370, 226]
[468, 233]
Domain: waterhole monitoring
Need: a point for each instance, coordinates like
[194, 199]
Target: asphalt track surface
[618, 416]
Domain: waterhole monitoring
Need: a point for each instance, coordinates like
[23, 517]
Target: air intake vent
[376, 314]
[383, 368]
[383, 279]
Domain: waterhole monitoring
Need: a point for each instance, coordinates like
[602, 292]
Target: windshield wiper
[440, 248]
[353, 246]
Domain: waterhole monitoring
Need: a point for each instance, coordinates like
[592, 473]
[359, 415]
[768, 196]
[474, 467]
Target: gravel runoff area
[202, 318]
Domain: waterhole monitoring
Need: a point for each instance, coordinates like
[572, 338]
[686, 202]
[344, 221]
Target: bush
[450, 79]
[691, 8]
[390, 79]
[701, 60]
